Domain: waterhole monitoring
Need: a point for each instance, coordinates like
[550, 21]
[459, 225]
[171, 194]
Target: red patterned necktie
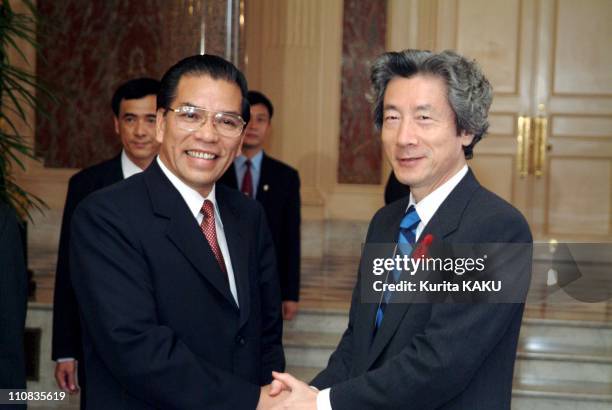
[210, 231]
[247, 181]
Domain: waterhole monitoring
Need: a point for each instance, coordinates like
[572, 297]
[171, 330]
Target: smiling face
[200, 157]
[419, 133]
[136, 128]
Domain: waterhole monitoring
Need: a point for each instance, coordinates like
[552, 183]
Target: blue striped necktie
[405, 243]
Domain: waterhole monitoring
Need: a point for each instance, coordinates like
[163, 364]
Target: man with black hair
[176, 275]
[133, 106]
[276, 186]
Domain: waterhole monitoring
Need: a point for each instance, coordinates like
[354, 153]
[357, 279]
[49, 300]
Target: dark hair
[469, 92]
[255, 97]
[133, 90]
[199, 65]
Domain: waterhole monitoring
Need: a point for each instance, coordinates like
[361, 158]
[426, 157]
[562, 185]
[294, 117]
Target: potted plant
[19, 91]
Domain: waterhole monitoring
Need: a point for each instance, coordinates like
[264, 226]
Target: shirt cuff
[323, 402]
[65, 359]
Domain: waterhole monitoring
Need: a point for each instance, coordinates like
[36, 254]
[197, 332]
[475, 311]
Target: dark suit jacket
[13, 302]
[433, 356]
[161, 329]
[281, 201]
[395, 190]
[66, 340]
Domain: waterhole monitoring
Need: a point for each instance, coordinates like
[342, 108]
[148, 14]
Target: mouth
[409, 160]
[201, 154]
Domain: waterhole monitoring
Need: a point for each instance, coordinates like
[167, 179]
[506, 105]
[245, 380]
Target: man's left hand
[302, 396]
[290, 308]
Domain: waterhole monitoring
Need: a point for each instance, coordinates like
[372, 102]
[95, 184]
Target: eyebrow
[131, 114]
[389, 107]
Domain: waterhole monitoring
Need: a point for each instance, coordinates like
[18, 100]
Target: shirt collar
[255, 161]
[128, 168]
[428, 206]
[192, 197]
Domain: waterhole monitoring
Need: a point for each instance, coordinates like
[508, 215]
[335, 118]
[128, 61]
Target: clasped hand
[287, 392]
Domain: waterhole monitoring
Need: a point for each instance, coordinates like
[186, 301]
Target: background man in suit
[432, 110]
[276, 186]
[133, 106]
[175, 275]
[13, 302]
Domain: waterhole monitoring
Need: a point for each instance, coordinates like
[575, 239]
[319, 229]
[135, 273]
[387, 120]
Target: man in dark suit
[276, 186]
[13, 302]
[175, 275]
[134, 106]
[432, 109]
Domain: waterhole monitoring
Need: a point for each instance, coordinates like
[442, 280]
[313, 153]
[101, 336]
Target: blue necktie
[405, 243]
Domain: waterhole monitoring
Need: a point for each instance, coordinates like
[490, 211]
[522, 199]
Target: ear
[116, 121]
[160, 125]
[466, 139]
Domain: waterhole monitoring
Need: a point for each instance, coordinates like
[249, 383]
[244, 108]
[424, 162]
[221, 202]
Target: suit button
[240, 340]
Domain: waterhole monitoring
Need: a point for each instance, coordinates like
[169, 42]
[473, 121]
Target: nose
[250, 125]
[407, 133]
[140, 129]
[207, 130]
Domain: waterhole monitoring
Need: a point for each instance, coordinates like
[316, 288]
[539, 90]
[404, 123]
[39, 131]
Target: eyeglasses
[190, 118]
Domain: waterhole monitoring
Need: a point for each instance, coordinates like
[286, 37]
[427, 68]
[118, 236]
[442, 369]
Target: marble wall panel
[88, 48]
[363, 39]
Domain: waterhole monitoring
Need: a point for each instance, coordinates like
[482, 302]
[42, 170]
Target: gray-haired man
[431, 109]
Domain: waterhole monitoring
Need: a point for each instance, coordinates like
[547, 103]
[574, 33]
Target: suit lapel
[444, 222]
[115, 172]
[385, 232]
[238, 249]
[264, 185]
[394, 311]
[448, 216]
[183, 231]
[230, 178]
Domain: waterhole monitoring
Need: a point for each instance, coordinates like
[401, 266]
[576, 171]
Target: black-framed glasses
[190, 118]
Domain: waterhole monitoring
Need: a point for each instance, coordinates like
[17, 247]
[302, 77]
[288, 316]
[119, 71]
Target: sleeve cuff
[65, 359]
[323, 402]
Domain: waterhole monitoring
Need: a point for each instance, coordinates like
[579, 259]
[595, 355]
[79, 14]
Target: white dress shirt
[128, 168]
[426, 208]
[195, 201]
[240, 168]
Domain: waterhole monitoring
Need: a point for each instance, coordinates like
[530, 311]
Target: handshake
[287, 392]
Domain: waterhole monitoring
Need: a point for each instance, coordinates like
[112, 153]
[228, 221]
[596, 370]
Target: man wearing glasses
[177, 279]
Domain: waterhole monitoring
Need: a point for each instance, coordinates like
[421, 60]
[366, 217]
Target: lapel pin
[266, 187]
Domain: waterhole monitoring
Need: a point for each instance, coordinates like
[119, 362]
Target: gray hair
[469, 92]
